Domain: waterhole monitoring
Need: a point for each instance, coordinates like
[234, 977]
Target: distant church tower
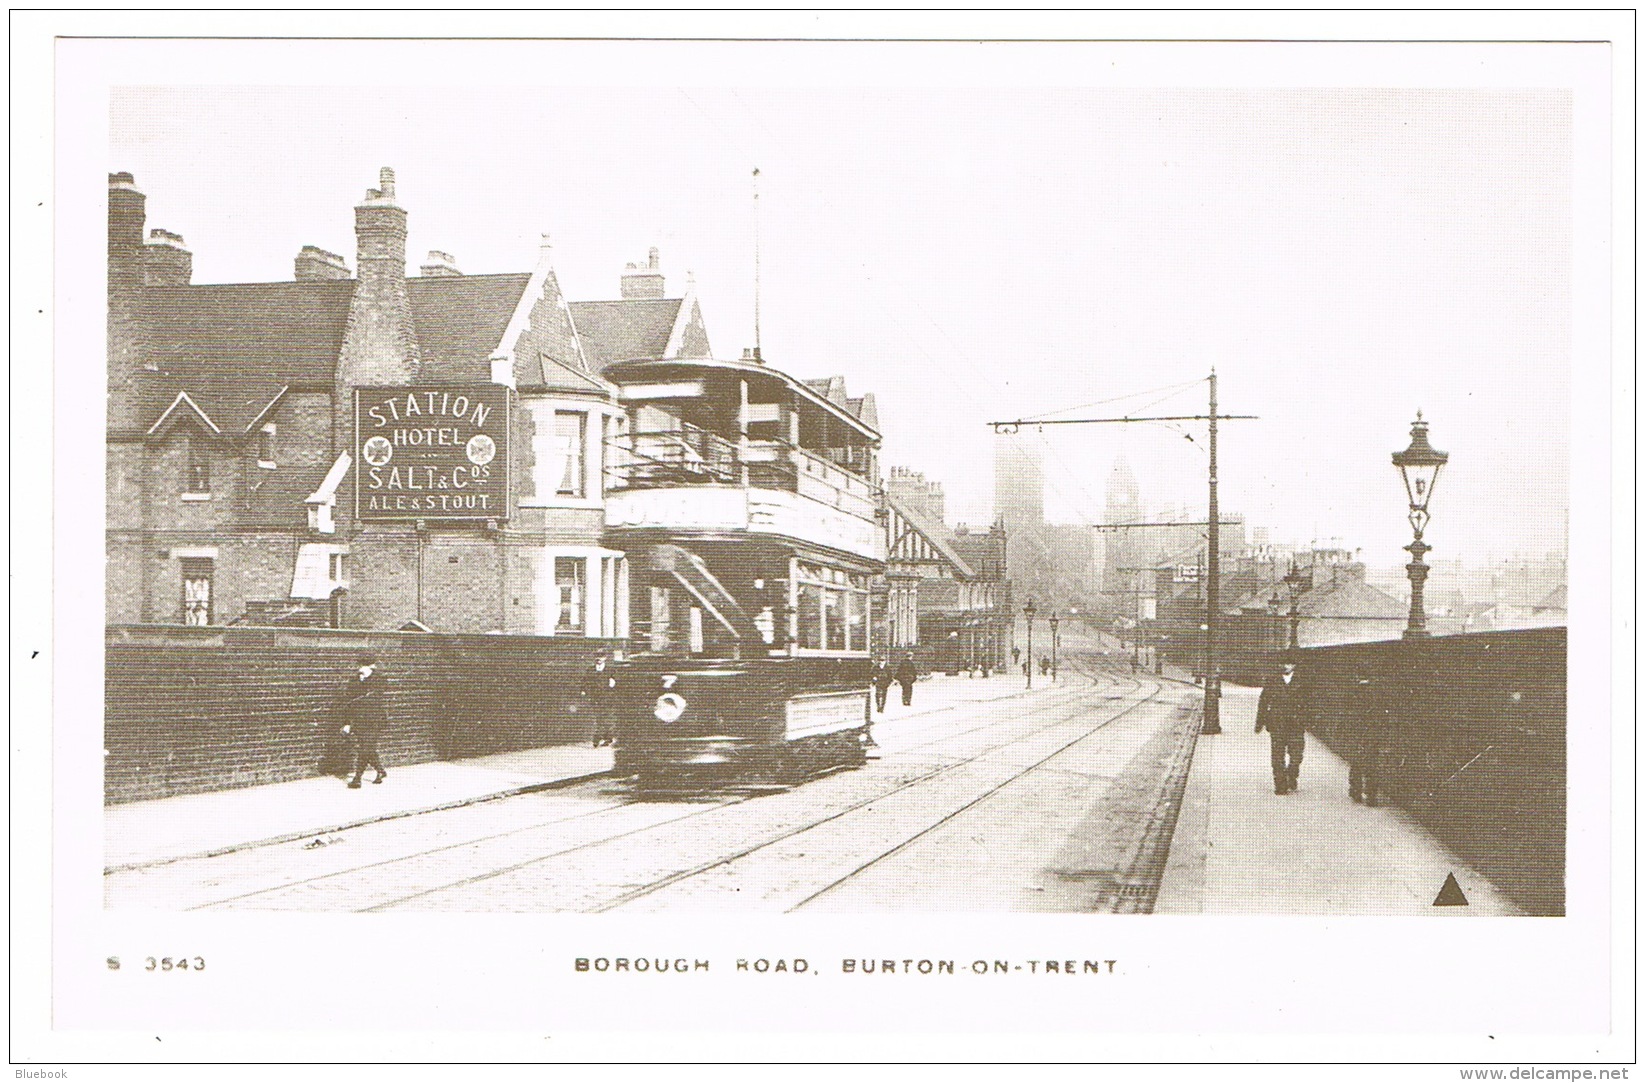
[1019, 503]
[1123, 550]
[1019, 483]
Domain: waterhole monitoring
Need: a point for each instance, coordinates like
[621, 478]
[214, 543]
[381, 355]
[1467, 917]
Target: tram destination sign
[431, 452]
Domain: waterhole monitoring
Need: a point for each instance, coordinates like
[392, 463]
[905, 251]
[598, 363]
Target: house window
[570, 438]
[571, 589]
[197, 469]
[336, 568]
[196, 592]
[265, 448]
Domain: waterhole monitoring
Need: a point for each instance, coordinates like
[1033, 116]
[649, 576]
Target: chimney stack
[127, 212]
[643, 283]
[317, 265]
[440, 265]
[380, 345]
[166, 260]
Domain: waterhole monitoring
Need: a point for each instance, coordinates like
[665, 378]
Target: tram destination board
[431, 452]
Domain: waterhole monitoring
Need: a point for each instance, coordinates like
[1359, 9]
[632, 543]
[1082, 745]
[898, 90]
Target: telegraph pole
[1212, 722]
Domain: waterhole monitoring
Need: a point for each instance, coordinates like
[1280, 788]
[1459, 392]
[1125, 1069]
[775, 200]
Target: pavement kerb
[276, 840]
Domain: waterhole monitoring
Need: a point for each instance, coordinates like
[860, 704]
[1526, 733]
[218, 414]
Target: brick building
[235, 490]
[470, 454]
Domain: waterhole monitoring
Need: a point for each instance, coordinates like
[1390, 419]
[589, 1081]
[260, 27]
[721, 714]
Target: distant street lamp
[1419, 467]
[1053, 621]
[1029, 611]
[1294, 579]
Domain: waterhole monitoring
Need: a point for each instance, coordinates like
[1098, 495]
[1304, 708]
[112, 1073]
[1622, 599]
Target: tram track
[685, 874]
[725, 860]
[715, 803]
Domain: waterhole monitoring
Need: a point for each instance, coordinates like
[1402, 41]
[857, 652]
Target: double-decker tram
[746, 500]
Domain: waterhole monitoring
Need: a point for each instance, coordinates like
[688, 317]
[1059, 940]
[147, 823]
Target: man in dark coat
[597, 691]
[364, 715]
[1282, 712]
[907, 673]
[881, 680]
[1367, 740]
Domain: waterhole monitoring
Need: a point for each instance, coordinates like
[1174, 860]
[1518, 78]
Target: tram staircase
[692, 573]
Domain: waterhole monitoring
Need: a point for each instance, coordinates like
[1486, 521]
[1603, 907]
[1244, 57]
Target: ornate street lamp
[1419, 467]
[1053, 621]
[1029, 611]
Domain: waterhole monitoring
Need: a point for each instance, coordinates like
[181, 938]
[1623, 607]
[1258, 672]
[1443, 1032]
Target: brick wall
[1473, 744]
[189, 710]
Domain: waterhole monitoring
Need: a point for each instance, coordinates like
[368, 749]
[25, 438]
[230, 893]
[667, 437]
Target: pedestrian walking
[881, 679]
[597, 696]
[1045, 666]
[1281, 711]
[1367, 739]
[365, 713]
[1016, 656]
[907, 673]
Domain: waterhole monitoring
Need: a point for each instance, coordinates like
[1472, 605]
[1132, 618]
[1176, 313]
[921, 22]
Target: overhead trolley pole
[1212, 722]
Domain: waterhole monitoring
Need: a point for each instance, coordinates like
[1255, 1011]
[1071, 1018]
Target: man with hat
[364, 714]
[1282, 712]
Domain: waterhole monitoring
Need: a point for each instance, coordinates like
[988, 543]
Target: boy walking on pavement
[364, 714]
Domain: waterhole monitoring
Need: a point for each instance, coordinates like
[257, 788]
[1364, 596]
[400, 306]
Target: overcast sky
[1343, 257]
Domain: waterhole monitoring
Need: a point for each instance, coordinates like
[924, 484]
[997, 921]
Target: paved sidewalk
[1241, 849]
[194, 825]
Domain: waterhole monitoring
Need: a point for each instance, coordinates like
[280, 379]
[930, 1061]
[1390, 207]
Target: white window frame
[598, 421]
[605, 592]
[265, 436]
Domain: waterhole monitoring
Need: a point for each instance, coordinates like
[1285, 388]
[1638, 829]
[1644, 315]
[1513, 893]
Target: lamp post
[1419, 467]
[1293, 583]
[1053, 621]
[1028, 611]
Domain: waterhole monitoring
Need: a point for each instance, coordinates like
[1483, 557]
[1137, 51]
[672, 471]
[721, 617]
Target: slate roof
[287, 332]
[459, 321]
[624, 330]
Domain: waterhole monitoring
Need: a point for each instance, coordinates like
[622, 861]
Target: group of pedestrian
[884, 676]
[1284, 709]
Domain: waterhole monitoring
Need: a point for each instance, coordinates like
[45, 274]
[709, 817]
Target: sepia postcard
[818, 539]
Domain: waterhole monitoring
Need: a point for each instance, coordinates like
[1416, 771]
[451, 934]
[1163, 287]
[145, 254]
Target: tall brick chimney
[317, 265]
[166, 260]
[643, 283]
[127, 212]
[380, 344]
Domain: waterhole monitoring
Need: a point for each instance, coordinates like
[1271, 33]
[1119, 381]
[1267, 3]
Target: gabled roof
[935, 533]
[459, 320]
[625, 330]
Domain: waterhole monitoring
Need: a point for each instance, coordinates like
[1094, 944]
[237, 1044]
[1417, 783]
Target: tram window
[571, 584]
[856, 607]
[659, 618]
[834, 620]
[811, 616]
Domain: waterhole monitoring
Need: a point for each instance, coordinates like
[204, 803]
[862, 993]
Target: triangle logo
[1451, 894]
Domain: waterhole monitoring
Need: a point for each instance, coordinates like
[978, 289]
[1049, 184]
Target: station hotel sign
[431, 452]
